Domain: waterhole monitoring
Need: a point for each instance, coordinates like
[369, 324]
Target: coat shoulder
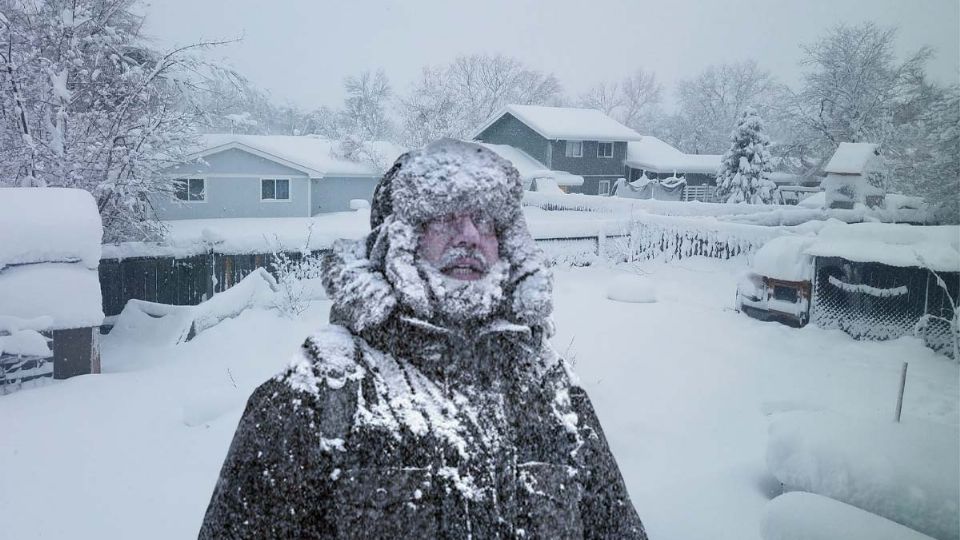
[327, 360]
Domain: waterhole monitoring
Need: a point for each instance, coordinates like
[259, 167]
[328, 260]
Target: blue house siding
[333, 193]
[235, 197]
[589, 164]
[232, 189]
[509, 130]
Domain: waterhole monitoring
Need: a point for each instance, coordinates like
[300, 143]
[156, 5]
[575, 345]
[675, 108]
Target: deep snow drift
[685, 387]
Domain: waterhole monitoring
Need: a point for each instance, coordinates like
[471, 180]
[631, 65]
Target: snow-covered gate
[870, 300]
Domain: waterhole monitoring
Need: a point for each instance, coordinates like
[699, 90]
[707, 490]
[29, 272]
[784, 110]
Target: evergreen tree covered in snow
[744, 174]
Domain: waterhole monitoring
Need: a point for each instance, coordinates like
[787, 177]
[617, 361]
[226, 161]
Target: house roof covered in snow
[852, 158]
[652, 154]
[315, 156]
[565, 123]
[530, 168]
[49, 254]
[894, 244]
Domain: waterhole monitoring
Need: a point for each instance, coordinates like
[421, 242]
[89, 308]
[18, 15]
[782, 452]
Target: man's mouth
[466, 268]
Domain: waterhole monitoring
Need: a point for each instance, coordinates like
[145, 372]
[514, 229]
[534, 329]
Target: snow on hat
[447, 177]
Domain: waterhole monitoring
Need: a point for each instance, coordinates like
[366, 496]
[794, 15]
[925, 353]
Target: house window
[574, 149]
[190, 189]
[604, 187]
[605, 149]
[274, 189]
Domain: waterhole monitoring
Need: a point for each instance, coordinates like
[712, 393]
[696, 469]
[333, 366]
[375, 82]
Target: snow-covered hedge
[906, 472]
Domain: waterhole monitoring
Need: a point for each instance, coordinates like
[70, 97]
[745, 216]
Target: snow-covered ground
[685, 387]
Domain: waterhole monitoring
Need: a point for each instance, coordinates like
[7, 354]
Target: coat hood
[373, 279]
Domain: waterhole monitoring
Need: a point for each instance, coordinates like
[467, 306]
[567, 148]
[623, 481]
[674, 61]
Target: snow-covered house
[243, 176]
[582, 142]
[49, 285]
[855, 175]
[652, 160]
[871, 280]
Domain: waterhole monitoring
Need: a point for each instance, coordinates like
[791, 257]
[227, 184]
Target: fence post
[601, 242]
[903, 382]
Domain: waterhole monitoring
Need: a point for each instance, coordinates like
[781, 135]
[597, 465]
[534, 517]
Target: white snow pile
[162, 324]
[49, 254]
[49, 225]
[905, 472]
[24, 343]
[359, 204]
[784, 258]
[631, 288]
[807, 516]
[866, 289]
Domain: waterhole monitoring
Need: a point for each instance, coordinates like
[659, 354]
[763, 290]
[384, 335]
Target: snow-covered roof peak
[852, 158]
[565, 123]
[313, 155]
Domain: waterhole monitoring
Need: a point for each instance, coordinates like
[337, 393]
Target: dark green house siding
[509, 130]
[589, 164]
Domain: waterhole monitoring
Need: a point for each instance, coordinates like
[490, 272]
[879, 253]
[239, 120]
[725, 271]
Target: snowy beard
[459, 301]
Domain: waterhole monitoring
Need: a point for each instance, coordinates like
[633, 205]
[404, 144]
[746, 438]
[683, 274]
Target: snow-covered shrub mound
[806, 516]
[631, 288]
[359, 204]
[906, 472]
[163, 325]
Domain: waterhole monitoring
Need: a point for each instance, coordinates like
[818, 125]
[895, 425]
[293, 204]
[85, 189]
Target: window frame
[568, 146]
[600, 184]
[188, 179]
[600, 145]
[275, 179]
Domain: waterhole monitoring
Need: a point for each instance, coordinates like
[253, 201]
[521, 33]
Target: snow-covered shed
[49, 253]
[248, 176]
[855, 175]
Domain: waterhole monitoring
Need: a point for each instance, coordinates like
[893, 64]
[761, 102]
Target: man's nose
[467, 232]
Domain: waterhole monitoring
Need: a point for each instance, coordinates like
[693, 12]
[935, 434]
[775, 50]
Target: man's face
[460, 246]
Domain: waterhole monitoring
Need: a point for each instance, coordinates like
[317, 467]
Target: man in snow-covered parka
[433, 405]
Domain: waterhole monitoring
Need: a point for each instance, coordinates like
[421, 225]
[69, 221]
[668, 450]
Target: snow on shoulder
[327, 359]
[49, 225]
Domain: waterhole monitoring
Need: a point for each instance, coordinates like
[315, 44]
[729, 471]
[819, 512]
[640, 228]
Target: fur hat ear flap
[401, 269]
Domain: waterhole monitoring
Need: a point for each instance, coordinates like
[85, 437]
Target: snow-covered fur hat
[369, 282]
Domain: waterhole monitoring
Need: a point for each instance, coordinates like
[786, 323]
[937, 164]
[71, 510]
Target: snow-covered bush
[298, 281]
[744, 174]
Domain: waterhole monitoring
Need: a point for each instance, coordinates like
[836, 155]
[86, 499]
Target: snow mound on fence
[905, 472]
[806, 516]
[165, 325]
[631, 288]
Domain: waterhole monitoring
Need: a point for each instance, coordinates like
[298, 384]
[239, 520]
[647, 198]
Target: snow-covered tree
[710, 103]
[85, 102]
[745, 168]
[633, 101]
[453, 100]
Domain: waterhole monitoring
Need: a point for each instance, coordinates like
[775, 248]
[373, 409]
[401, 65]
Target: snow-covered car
[778, 284]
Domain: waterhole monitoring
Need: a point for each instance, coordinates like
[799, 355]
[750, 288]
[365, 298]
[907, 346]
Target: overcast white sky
[301, 50]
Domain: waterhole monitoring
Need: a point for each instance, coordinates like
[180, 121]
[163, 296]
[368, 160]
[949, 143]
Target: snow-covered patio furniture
[49, 253]
[777, 287]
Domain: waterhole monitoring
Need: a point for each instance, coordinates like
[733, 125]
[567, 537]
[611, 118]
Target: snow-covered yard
[685, 387]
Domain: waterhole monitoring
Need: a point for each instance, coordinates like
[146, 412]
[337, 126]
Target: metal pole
[903, 382]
